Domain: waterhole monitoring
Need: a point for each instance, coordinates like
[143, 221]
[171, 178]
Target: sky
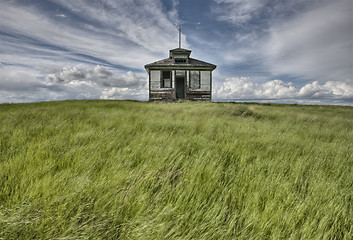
[281, 51]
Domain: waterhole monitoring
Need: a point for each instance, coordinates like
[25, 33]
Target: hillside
[186, 170]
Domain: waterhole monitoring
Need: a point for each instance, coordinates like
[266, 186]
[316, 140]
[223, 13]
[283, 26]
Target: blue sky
[265, 50]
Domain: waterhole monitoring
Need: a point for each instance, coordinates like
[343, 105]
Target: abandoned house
[180, 77]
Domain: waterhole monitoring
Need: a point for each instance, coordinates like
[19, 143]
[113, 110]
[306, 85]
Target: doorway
[180, 87]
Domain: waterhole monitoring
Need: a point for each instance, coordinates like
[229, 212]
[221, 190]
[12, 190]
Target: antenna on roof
[179, 35]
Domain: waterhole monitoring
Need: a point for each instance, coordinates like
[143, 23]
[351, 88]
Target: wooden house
[180, 77]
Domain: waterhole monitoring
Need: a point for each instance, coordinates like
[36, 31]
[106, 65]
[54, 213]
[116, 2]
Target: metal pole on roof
[179, 35]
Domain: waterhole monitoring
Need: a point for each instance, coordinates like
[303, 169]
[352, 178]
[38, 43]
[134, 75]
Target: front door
[180, 87]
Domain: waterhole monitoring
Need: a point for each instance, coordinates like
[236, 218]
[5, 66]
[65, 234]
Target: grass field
[186, 170]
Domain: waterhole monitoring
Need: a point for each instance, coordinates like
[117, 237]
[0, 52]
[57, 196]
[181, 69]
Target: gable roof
[180, 50]
[192, 64]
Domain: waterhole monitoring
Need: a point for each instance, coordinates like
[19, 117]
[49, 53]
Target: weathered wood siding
[198, 95]
[162, 95]
[192, 92]
[156, 91]
[202, 93]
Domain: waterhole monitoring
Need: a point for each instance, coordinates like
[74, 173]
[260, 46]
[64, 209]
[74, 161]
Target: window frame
[199, 80]
[163, 82]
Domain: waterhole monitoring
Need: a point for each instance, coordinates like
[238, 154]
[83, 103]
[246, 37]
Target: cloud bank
[73, 82]
[243, 88]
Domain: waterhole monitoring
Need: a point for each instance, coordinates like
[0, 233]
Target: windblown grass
[188, 170]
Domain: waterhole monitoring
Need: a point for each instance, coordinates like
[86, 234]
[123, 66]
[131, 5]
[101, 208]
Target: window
[166, 79]
[180, 60]
[195, 79]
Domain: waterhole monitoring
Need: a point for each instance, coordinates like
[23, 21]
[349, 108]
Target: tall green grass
[185, 170]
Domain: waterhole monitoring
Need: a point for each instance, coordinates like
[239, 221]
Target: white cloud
[330, 89]
[99, 75]
[71, 82]
[245, 88]
[100, 82]
[66, 75]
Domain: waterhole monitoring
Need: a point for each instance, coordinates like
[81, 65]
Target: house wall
[202, 93]
[158, 93]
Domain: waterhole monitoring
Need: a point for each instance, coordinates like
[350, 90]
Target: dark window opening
[166, 79]
[180, 60]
